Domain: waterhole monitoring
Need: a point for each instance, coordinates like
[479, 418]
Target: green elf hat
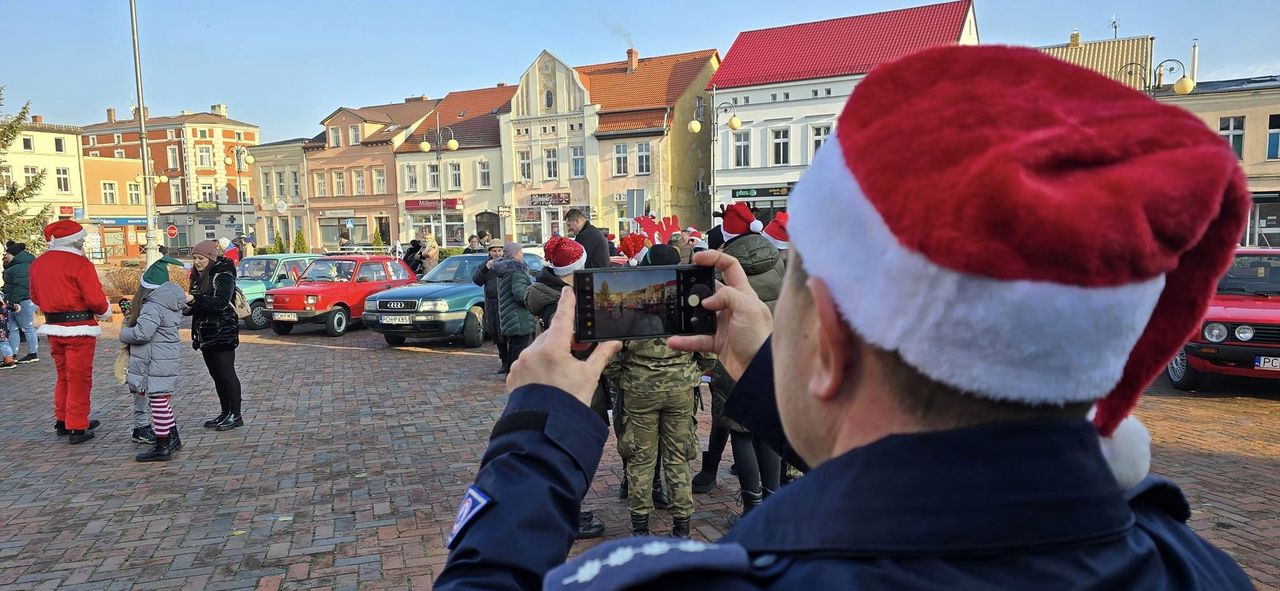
[158, 273]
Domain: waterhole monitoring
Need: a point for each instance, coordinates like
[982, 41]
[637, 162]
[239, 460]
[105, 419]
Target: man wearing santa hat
[65, 286]
[959, 371]
[776, 233]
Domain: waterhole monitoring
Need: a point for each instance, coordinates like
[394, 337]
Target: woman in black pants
[215, 328]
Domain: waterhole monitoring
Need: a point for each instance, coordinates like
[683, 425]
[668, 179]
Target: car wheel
[282, 328]
[336, 323]
[1181, 374]
[394, 340]
[258, 318]
[473, 328]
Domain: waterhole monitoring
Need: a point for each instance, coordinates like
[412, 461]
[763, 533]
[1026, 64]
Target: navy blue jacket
[974, 508]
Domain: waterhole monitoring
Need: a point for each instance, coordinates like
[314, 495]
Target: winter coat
[487, 278]
[17, 278]
[543, 297]
[214, 324]
[763, 264]
[413, 260]
[4, 319]
[596, 245]
[649, 365]
[155, 352]
[513, 285]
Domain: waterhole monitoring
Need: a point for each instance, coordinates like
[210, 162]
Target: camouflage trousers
[650, 418]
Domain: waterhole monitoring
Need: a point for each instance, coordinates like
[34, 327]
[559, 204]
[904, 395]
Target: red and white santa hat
[739, 220]
[1055, 242]
[564, 255]
[633, 246]
[776, 231]
[63, 232]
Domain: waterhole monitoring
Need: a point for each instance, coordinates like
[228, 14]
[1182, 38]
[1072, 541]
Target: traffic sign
[351, 223]
[171, 231]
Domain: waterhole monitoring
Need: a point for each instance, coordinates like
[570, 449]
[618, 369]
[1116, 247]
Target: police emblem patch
[472, 503]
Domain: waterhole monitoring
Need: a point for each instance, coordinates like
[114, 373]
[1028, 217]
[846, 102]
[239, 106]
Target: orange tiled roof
[471, 114]
[658, 81]
[632, 120]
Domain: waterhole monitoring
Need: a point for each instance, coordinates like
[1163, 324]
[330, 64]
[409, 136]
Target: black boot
[639, 525]
[750, 500]
[175, 442]
[680, 528]
[78, 437]
[162, 451]
[230, 422]
[144, 435]
[660, 498]
[214, 422]
[705, 480]
[588, 527]
[622, 490]
[61, 429]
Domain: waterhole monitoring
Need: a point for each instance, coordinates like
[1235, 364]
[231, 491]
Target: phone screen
[639, 303]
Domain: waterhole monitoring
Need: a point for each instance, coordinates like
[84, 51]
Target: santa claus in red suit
[65, 286]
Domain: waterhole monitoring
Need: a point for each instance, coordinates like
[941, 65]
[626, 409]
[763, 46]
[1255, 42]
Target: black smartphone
[627, 303]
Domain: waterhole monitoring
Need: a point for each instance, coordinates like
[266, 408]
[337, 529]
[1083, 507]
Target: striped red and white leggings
[161, 414]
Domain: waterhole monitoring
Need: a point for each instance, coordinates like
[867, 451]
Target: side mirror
[362, 280]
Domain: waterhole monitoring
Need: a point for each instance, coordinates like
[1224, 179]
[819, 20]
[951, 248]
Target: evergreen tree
[378, 244]
[279, 245]
[300, 243]
[14, 223]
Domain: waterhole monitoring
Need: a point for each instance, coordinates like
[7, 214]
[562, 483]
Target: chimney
[633, 60]
[37, 119]
[502, 84]
[219, 110]
[111, 115]
[1075, 39]
[1195, 59]
[145, 112]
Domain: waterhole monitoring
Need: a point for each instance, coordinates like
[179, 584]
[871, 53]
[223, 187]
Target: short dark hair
[574, 214]
[472, 237]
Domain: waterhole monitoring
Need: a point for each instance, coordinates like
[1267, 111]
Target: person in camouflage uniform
[658, 384]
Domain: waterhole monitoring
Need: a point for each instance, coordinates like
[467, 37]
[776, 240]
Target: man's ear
[833, 347]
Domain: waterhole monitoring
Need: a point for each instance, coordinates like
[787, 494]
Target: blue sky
[286, 64]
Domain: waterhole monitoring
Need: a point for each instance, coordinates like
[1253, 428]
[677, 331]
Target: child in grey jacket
[155, 353]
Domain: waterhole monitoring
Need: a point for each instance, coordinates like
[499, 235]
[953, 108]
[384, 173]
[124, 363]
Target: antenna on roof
[1115, 27]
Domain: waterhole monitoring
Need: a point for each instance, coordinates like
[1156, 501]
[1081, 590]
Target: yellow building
[54, 151]
[1126, 60]
[116, 207]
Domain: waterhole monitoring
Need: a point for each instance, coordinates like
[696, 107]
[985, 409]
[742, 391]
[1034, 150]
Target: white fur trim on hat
[1002, 340]
[778, 244]
[69, 239]
[62, 330]
[573, 267]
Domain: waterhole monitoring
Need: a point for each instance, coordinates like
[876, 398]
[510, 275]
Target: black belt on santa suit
[56, 317]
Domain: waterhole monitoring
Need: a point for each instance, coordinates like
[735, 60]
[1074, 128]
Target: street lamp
[1153, 80]
[241, 158]
[712, 115]
[451, 145]
[148, 188]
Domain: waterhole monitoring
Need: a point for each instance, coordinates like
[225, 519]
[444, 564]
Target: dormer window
[335, 137]
[550, 100]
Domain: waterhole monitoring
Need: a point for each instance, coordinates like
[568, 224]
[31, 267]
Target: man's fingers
[561, 329]
[728, 267]
[703, 343]
[600, 357]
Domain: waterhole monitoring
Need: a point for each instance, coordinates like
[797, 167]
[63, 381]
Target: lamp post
[450, 145]
[148, 184]
[153, 249]
[712, 115]
[241, 158]
[1153, 80]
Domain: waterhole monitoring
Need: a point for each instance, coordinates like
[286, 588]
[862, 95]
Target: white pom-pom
[756, 226]
[633, 262]
[1128, 452]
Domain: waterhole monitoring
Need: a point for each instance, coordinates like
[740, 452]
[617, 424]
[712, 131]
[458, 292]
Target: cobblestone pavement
[348, 472]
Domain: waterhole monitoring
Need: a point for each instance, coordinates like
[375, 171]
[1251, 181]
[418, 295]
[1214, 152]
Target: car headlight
[433, 306]
[312, 299]
[1215, 332]
[371, 304]
[1244, 332]
[271, 299]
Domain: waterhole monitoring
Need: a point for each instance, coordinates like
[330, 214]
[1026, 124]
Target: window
[643, 156]
[204, 156]
[742, 149]
[579, 161]
[820, 133]
[552, 159]
[620, 160]
[411, 177]
[322, 185]
[175, 192]
[135, 193]
[1232, 130]
[266, 184]
[357, 181]
[339, 183]
[119, 154]
[171, 157]
[544, 129]
[239, 136]
[354, 135]
[64, 180]
[168, 134]
[549, 100]
[93, 140]
[29, 174]
[1273, 137]
[379, 181]
[746, 100]
[433, 177]
[335, 137]
[482, 175]
[59, 145]
[815, 93]
[115, 138]
[108, 193]
[786, 96]
[398, 272]
[372, 271]
[828, 91]
[773, 98]
[735, 100]
[781, 147]
[94, 153]
[455, 176]
[203, 134]
[526, 167]
[6, 176]
[206, 193]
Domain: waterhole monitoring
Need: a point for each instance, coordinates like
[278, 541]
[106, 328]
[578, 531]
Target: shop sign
[419, 204]
[620, 198]
[338, 213]
[66, 210]
[539, 199]
[504, 211]
[206, 205]
[121, 221]
[762, 192]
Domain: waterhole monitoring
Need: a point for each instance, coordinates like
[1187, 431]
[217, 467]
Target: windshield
[329, 270]
[1252, 274]
[259, 269]
[455, 269]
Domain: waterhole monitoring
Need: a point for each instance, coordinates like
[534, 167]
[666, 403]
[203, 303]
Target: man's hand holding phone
[743, 321]
[550, 361]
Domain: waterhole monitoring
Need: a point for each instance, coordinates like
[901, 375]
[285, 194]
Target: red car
[1240, 335]
[332, 291]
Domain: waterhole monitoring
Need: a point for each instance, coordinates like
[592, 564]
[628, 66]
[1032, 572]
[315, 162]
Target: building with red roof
[788, 84]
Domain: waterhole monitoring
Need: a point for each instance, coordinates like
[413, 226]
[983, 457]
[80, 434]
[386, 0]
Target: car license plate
[1269, 363]
[386, 319]
[289, 316]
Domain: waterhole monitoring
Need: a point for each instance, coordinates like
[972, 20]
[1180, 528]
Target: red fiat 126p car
[1240, 335]
[332, 291]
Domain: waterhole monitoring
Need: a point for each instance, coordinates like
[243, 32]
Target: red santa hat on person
[739, 220]
[63, 233]
[1071, 227]
[564, 255]
[633, 246]
[776, 231]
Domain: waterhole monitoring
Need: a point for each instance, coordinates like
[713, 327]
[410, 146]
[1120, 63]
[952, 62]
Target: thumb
[601, 356]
